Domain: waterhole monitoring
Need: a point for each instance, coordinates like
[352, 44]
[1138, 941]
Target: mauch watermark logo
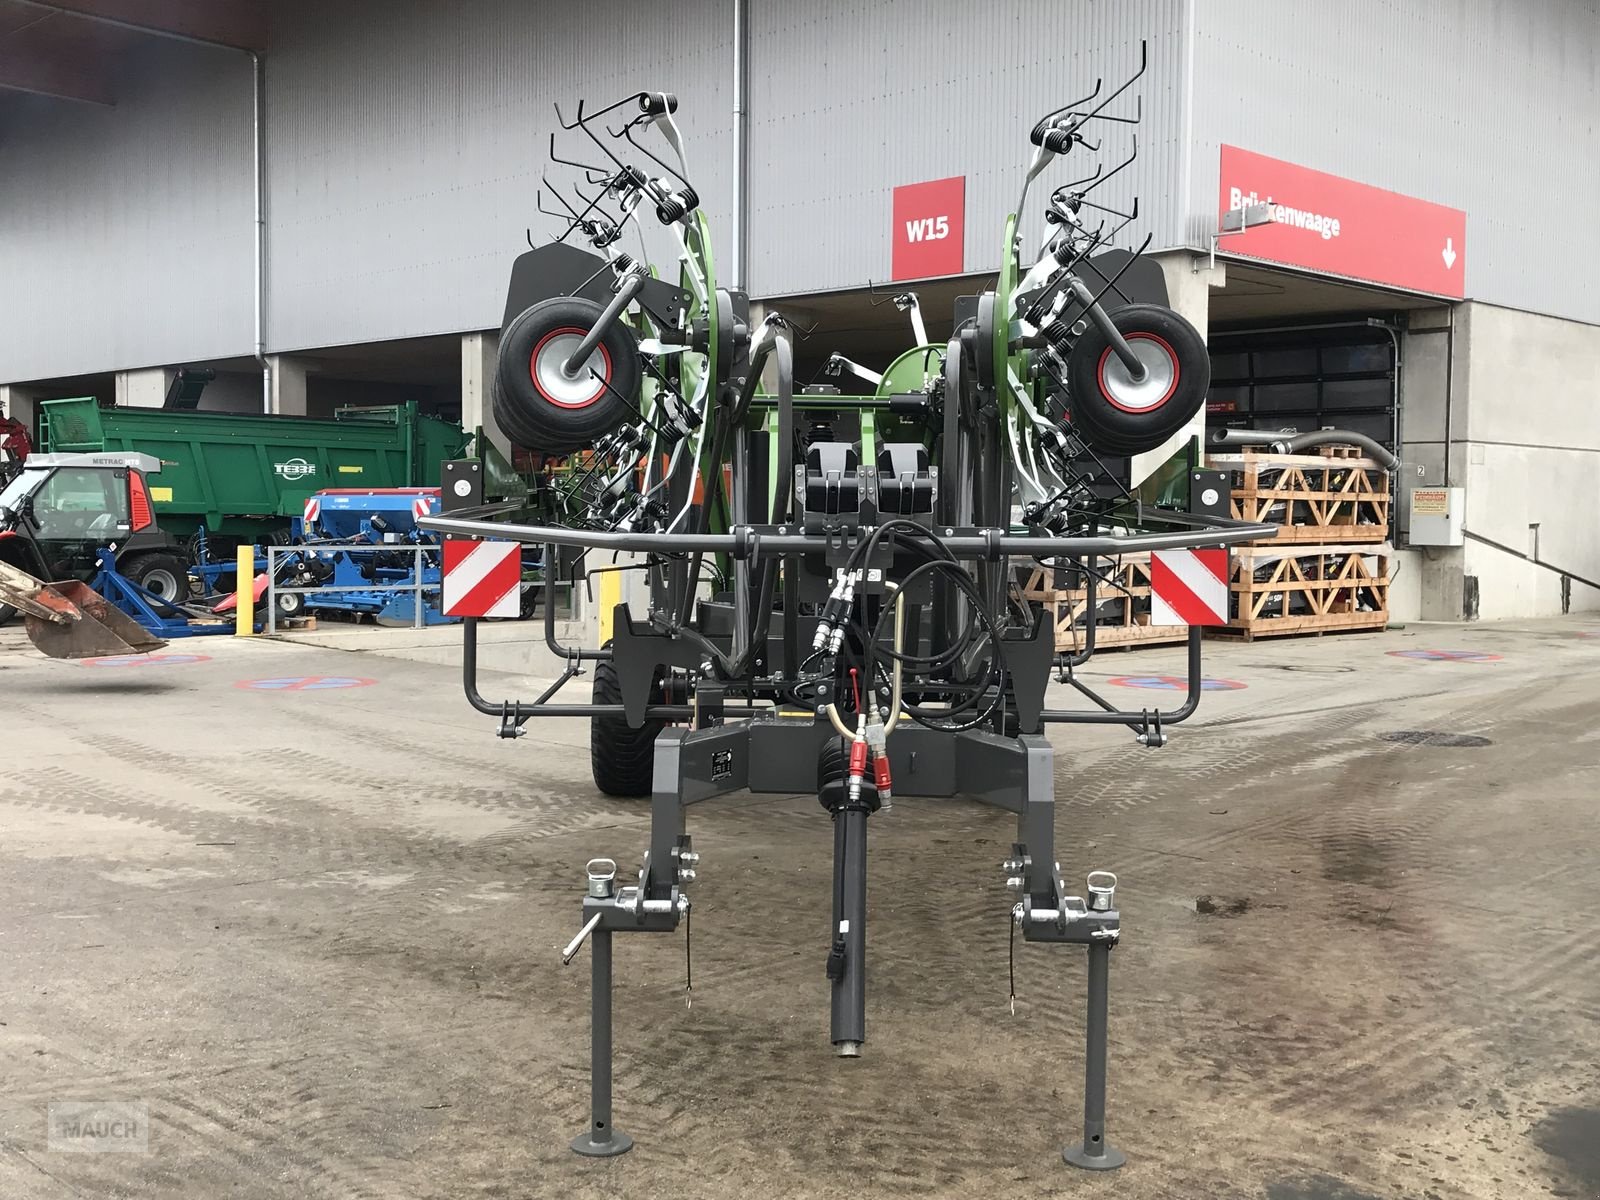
[294, 468]
[100, 1127]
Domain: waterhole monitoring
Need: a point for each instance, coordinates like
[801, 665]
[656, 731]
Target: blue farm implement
[361, 552]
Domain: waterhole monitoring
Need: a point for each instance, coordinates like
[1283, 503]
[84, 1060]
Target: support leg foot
[1108, 1158]
[614, 1142]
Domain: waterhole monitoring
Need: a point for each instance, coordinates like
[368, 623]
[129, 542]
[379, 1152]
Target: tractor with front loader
[85, 562]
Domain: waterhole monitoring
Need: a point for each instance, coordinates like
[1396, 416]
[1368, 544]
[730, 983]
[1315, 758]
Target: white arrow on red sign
[1449, 253]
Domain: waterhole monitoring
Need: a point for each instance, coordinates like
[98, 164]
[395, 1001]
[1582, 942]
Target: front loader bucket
[84, 624]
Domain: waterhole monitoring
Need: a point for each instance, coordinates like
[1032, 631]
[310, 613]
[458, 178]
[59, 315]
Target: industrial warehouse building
[320, 202]
[967, 684]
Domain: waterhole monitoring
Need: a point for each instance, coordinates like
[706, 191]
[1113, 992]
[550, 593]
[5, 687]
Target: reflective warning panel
[1189, 587]
[482, 579]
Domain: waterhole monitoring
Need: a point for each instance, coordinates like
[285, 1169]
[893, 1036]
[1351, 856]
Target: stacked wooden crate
[1327, 568]
[1121, 601]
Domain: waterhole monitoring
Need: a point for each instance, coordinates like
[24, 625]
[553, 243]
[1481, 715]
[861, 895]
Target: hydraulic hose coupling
[830, 630]
[878, 743]
[880, 777]
[858, 768]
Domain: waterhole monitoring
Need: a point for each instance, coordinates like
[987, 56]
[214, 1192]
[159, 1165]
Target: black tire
[166, 575]
[7, 613]
[536, 405]
[1114, 414]
[291, 604]
[623, 758]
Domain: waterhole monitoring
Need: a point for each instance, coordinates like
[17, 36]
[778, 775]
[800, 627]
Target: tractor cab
[62, 511]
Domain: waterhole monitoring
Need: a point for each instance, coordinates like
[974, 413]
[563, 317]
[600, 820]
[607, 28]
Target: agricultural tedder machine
[833, 603]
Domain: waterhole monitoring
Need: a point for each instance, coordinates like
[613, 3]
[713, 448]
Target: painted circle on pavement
[1472, 656]
[304, 683]
[144, 660]
[1175, 683]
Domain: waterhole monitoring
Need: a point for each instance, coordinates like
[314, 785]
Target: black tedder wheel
[540, 406]
[1117, 414]
[623, 758]
[164, 575]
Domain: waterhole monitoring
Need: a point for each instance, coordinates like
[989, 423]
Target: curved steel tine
[628, 132]
[876, 298]
[1068, 187]
[1043, 122]
[556, 192]
[1138, 114]
[1121, 166]
[569, 162]
[1144, 62]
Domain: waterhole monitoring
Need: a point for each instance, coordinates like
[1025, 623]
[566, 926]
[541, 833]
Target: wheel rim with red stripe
[1161, 372]
[547, 369]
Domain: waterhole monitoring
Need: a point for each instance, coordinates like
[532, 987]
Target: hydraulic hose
[1283, 443]
[894, 685]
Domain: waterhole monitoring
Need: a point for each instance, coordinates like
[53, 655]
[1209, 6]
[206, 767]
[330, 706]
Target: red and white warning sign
[482, 579]
[313, 510]
[1189, 587]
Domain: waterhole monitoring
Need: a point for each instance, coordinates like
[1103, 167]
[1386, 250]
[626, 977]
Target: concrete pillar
[288, 385]
[1189, 279]
[18, 403]
[479, 356]
[1432, 423]
[144, 388]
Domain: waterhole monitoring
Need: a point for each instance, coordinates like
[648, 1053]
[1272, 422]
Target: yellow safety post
[610, 597]
[244, 613]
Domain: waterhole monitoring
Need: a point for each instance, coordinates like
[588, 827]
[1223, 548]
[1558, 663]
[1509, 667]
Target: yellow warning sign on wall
[1430, 502]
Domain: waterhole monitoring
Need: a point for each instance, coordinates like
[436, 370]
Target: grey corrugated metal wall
[850, 99]
[1492, 106]
[127, 234]
[406, 139]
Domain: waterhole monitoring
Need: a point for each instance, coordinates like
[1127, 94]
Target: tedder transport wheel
[165, 575]
[1120, 415]
[623, 758]
[537, 403]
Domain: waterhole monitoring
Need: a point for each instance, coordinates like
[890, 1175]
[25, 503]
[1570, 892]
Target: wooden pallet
[1277, 591]
[1336, 496]
[1129, 623]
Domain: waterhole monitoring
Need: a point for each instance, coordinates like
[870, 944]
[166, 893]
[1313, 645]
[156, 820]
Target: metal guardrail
[417, 588]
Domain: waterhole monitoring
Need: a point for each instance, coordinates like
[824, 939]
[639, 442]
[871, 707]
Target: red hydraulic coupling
[858, 767]
[880, 775]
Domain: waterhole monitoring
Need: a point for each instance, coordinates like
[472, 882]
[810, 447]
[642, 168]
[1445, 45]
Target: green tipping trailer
[245, 476]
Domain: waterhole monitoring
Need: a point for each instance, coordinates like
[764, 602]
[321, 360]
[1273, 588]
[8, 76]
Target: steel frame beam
[235, 24]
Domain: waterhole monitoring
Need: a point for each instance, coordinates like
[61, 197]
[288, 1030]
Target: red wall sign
[1327, 223]
[929, 219]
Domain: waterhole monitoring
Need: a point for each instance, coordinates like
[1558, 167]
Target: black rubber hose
[1286, 443]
